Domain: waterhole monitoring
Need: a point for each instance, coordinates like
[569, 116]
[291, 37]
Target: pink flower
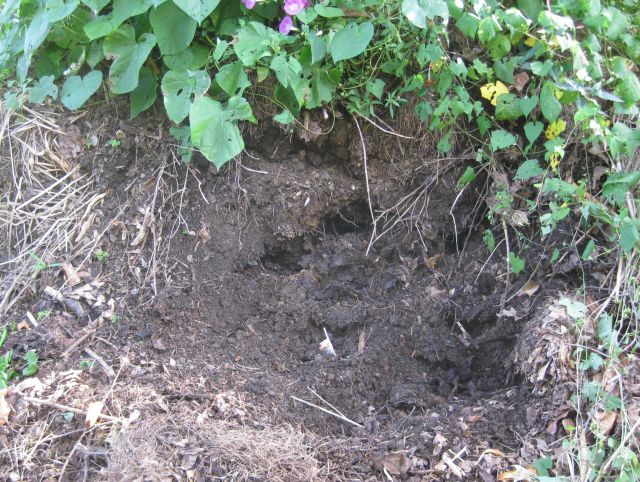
[285, 25]
[294, 7]
[249, 3]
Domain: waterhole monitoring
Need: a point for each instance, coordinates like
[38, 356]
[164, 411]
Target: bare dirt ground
[200, 332]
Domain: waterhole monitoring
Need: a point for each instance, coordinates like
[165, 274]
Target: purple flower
[285, 25]
[294, 7]
[249, 3]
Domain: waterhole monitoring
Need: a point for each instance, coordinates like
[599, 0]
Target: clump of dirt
[231, 280]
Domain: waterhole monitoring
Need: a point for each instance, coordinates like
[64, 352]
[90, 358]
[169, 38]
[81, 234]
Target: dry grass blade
[46, 204]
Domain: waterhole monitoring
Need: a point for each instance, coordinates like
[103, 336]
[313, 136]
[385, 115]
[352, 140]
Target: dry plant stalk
[46, 203]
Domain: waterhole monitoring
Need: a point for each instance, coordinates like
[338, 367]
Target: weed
[101, 255]
[114, 143]
[42, 315]
[41, 265]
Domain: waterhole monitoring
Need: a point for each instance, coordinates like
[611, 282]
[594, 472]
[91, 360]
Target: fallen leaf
[606, 421]
[432, 262]
[518, 474]
[94, 409]
[529, 288]
[5, 408]
[396, 463]
[521, 80]
[492, 91]
[71, 274]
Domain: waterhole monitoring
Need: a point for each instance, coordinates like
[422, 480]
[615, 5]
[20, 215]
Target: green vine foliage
[525, 78]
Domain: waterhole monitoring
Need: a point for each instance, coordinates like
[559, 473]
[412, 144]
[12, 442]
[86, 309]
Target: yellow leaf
[554, 160]
[436, 65]
[531, 41]
[492, 91]
[556, 128]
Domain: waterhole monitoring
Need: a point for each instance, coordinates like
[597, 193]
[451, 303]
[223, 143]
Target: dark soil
[243, 271]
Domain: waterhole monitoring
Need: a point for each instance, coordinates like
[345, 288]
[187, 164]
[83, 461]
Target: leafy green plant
[7, 369]
[101, 255]
[42, 315]
[41, 265]
[114, 143]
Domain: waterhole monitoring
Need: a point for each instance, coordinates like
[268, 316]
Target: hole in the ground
[351, 219]
[287, 256]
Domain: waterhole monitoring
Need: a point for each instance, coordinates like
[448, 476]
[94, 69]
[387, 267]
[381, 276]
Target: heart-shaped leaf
[76, 90]
[179, 87]
[549, 104]
[501, 139]
[214, 130]
[351, 41]
[173, 28]
[128, 57]
[418, 11]
[197, 9]
[527, 104]
[42, 89]
[533, 130]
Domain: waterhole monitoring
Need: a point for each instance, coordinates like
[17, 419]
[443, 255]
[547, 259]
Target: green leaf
[42, 89]
[504, 70]
[39, 28]
[253, 42]
[328, 12]
[376, 88]
[594, 362]
[193, 58]
[173, 28]
[501, 139]
[418, 11]
[516, 263]
[499, 46]
[575, 309]
[588, 249]
[128, 57]
[605, 328]
[541, 69]
[197, 9]
[321, 89]
[468, 176]
[488, 29]
[629, 235]
[528, 169]
[543, 465]
[549, 104]
[232, 79]
[532, 131]
[351, 41]
[213, 133]
[530, 8]
[76, 90]
[468, 24]
[616, 186]
[628, 89]
[285, 117]
[508, 107]
[287, 71]
[95, 5]
[143, 96]
[527, 104]
[489, 240]
[122, 10]
[178, 88]
[318, 47]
